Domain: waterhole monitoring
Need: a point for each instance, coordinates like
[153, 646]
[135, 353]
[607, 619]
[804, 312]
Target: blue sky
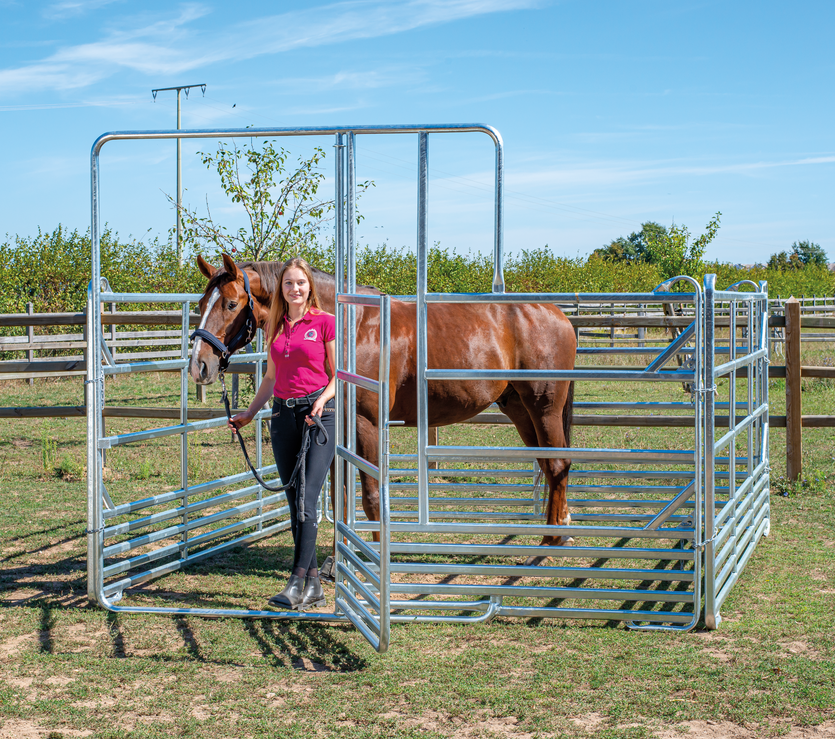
[612, 112]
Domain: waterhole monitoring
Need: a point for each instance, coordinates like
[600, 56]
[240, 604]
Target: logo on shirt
[310, 335]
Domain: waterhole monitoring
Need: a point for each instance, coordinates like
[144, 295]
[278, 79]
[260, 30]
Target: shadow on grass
[287, 645]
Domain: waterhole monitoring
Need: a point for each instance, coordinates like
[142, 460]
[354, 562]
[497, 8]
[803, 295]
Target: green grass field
[71, 669]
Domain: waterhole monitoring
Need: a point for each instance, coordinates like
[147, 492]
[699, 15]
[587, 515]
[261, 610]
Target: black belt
[304, 400]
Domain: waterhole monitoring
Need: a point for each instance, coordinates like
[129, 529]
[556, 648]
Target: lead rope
[301, 458]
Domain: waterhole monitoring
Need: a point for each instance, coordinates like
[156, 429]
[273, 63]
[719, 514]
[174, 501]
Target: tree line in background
[672, 247]
[287, 218]
[52, 271]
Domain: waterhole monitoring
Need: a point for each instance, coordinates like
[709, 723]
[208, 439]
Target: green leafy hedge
[52, 271]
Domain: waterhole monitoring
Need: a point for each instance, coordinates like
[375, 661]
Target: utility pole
[179, 88]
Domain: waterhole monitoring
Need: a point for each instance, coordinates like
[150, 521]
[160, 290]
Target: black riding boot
[313, 596]
[291, 596]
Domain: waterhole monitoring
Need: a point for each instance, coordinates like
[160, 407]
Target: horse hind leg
[367, 435]
[544, 428]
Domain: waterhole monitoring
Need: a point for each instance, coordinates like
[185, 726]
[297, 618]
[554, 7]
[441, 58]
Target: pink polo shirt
[300, 357]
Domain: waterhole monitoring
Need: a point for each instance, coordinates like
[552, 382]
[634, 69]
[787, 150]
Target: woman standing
[301, 337]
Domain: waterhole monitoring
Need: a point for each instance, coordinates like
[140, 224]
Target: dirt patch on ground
[30, 730]
[800, 647]
[457, 727]
[14, 646]
[729, 730]
[589, 722]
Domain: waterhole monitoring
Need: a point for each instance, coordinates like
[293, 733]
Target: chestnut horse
[461, 336]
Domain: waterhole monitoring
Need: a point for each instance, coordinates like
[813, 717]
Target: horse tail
[568, 414]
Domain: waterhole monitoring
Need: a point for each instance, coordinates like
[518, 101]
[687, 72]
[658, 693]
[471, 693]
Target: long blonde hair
[278, 306]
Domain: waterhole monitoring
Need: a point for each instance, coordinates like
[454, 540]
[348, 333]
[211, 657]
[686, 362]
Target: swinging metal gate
[450, 548]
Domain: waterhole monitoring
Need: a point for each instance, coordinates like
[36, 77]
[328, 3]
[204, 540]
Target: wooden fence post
[30, 334]
[794, 444]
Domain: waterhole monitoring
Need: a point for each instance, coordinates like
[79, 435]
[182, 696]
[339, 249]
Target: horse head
[233, 305]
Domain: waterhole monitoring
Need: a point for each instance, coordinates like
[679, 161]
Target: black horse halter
[245, 334]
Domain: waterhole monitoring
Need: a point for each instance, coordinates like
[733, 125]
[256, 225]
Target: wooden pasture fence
[790, 318]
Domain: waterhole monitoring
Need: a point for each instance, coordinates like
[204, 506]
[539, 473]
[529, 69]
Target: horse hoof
[566, 541]
[535, 561]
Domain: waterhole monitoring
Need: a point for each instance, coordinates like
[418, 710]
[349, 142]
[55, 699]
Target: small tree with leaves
[675, 253]
[633, 248]
[281, 202]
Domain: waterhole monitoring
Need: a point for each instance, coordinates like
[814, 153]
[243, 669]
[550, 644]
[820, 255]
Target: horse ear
[230, 265]
[205, 268]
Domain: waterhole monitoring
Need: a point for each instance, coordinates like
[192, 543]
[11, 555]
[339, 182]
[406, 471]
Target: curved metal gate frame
[245, 514]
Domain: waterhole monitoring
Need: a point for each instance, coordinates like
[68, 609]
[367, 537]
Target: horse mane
[269, 272]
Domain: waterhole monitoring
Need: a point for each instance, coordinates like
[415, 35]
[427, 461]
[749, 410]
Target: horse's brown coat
[461, 336]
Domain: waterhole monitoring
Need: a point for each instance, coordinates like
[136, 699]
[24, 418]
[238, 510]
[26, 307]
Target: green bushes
[52, 271]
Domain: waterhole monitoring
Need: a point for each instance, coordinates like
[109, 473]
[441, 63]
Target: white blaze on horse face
[212, 300]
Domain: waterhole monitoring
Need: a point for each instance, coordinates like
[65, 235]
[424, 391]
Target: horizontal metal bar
[595, 375]
[136, 524]
[558, 297]
[109, 297]
[740, 427]
[535, 550]
[522, 591]
[180, 563]
[193, 133]
[112, 441]
[163, 365]
[358, 462]
[197, 523]
[597, 613]
[759, 530]
[636, 456]
[591, 573]
[353, 610]
[196, 491]
[509, 529]
[363, 382]
[743, 361]
[363, 546]
[355, 562]
[128, 564]
[355, 299]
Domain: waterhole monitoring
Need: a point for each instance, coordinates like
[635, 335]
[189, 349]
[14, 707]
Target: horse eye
[232, 305]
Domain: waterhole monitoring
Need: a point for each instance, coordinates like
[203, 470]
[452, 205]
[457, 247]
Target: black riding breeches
[286, 431]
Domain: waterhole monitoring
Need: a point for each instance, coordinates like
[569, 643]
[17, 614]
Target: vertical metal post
[92, 385]
[732, 353]
[259, 433]
[642, 330]
[339, 282]
[422, 344]
[762, 394]
[712, 618]
[183, 422]
[179, 185]
[383, 466]
[498, 225]
[351, 269]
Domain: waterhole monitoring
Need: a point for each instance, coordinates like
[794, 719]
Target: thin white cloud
[170, 46]
[624, 173]
[71, 8]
